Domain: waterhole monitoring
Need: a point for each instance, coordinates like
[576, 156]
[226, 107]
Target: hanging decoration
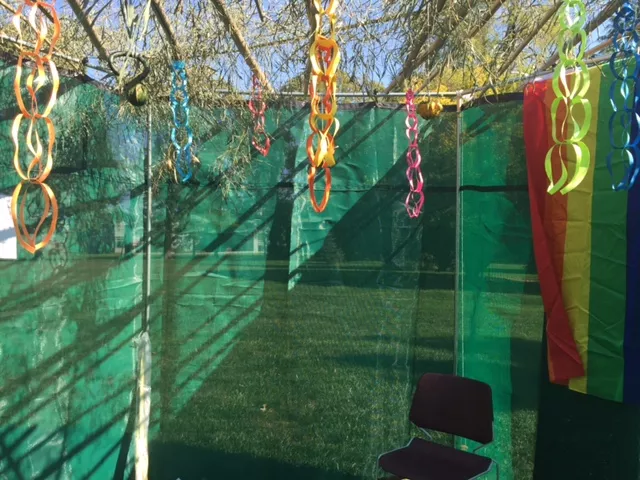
[43, 81]
[325, 58]
[136, 23]
[567, 132]
[430, 109]
[181, 134]
[625, 65]
[258, 107]
[135, 92]
[415, 199]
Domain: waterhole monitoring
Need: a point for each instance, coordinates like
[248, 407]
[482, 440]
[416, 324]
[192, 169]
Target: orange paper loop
[42, 80]
[327, 189]
[29, 241]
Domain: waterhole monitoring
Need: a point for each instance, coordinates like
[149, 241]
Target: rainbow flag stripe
[587, 247]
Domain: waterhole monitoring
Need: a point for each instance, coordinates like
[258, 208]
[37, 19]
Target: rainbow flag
[587, 248]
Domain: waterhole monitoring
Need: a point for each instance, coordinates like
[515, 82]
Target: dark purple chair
[450, 404]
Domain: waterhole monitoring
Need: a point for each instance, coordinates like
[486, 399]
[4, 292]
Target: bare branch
[514, 55]
[165, 24]
[410, 63]
[241, 44]
[311, 16]
[606, 13]
[88, 28]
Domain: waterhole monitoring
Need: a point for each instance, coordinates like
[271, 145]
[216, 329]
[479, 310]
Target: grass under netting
[316, 382]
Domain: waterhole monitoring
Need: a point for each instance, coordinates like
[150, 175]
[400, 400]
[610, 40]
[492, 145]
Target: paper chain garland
[258, 107]
[625, 43]
[179, 98]
[567, 133]
[415, 199]
[41, 161]
[325, 58]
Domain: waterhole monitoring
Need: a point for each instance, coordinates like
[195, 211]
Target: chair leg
[497, 471]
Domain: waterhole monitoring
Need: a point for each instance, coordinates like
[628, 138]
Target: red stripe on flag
[548, 222]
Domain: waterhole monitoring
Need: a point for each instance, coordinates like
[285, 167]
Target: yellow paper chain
[567, 133]
[325, 58]
[41, 162]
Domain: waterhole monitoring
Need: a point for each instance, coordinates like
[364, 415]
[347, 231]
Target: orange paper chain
[39, 167]
[325, 58]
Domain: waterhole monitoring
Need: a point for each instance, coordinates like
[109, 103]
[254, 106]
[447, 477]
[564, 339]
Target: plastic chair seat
[424, 460]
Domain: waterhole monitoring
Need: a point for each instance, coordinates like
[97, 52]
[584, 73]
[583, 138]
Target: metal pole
[349, 94]
[148, 198]
[464, 94]
[458, 326]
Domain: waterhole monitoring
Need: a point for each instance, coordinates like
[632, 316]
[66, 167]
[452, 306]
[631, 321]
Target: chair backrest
[456, 405]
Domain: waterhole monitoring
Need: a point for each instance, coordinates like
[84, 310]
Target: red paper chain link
[415, 199]
[258, 107]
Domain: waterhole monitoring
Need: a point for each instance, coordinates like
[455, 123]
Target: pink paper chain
[415, 199]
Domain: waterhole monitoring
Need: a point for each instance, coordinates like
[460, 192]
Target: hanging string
[136, 26]
[325, 58]
[181, 133]
[567, 133]
[415, 199]
[43, 74]
[258, 107]
[624, 56]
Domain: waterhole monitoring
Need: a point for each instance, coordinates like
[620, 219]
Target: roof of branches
[436, 44]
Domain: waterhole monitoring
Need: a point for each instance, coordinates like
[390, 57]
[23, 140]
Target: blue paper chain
[625, 43]
[180, 107]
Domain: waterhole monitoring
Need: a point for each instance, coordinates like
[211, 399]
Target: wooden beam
[241, 44]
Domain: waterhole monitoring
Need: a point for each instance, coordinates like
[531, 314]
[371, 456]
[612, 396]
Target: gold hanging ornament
[429, 109]
[325, 58]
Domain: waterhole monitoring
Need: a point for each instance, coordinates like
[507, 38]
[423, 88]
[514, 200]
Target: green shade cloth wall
[285, 344]
[499, 314]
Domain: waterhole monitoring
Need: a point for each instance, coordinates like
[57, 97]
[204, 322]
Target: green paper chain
[569, 134]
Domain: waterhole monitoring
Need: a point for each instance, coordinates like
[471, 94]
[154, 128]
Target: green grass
[252, 380]
[319, 383]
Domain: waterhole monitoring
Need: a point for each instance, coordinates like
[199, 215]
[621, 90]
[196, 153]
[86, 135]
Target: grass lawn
[317, 383]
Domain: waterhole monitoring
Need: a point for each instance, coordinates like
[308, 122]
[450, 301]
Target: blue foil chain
[179, 99]
[625, 43]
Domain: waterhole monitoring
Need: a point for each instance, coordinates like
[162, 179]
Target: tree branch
[8, 7]
[436, 46]
[486, 18]
[88, 28]
[311, 16]
[411, 62]
[514, 55]
[602, 17]
[241, 44]
[165, 24]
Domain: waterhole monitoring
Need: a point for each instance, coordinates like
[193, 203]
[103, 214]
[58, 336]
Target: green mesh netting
[499, 320]
[285, 344]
